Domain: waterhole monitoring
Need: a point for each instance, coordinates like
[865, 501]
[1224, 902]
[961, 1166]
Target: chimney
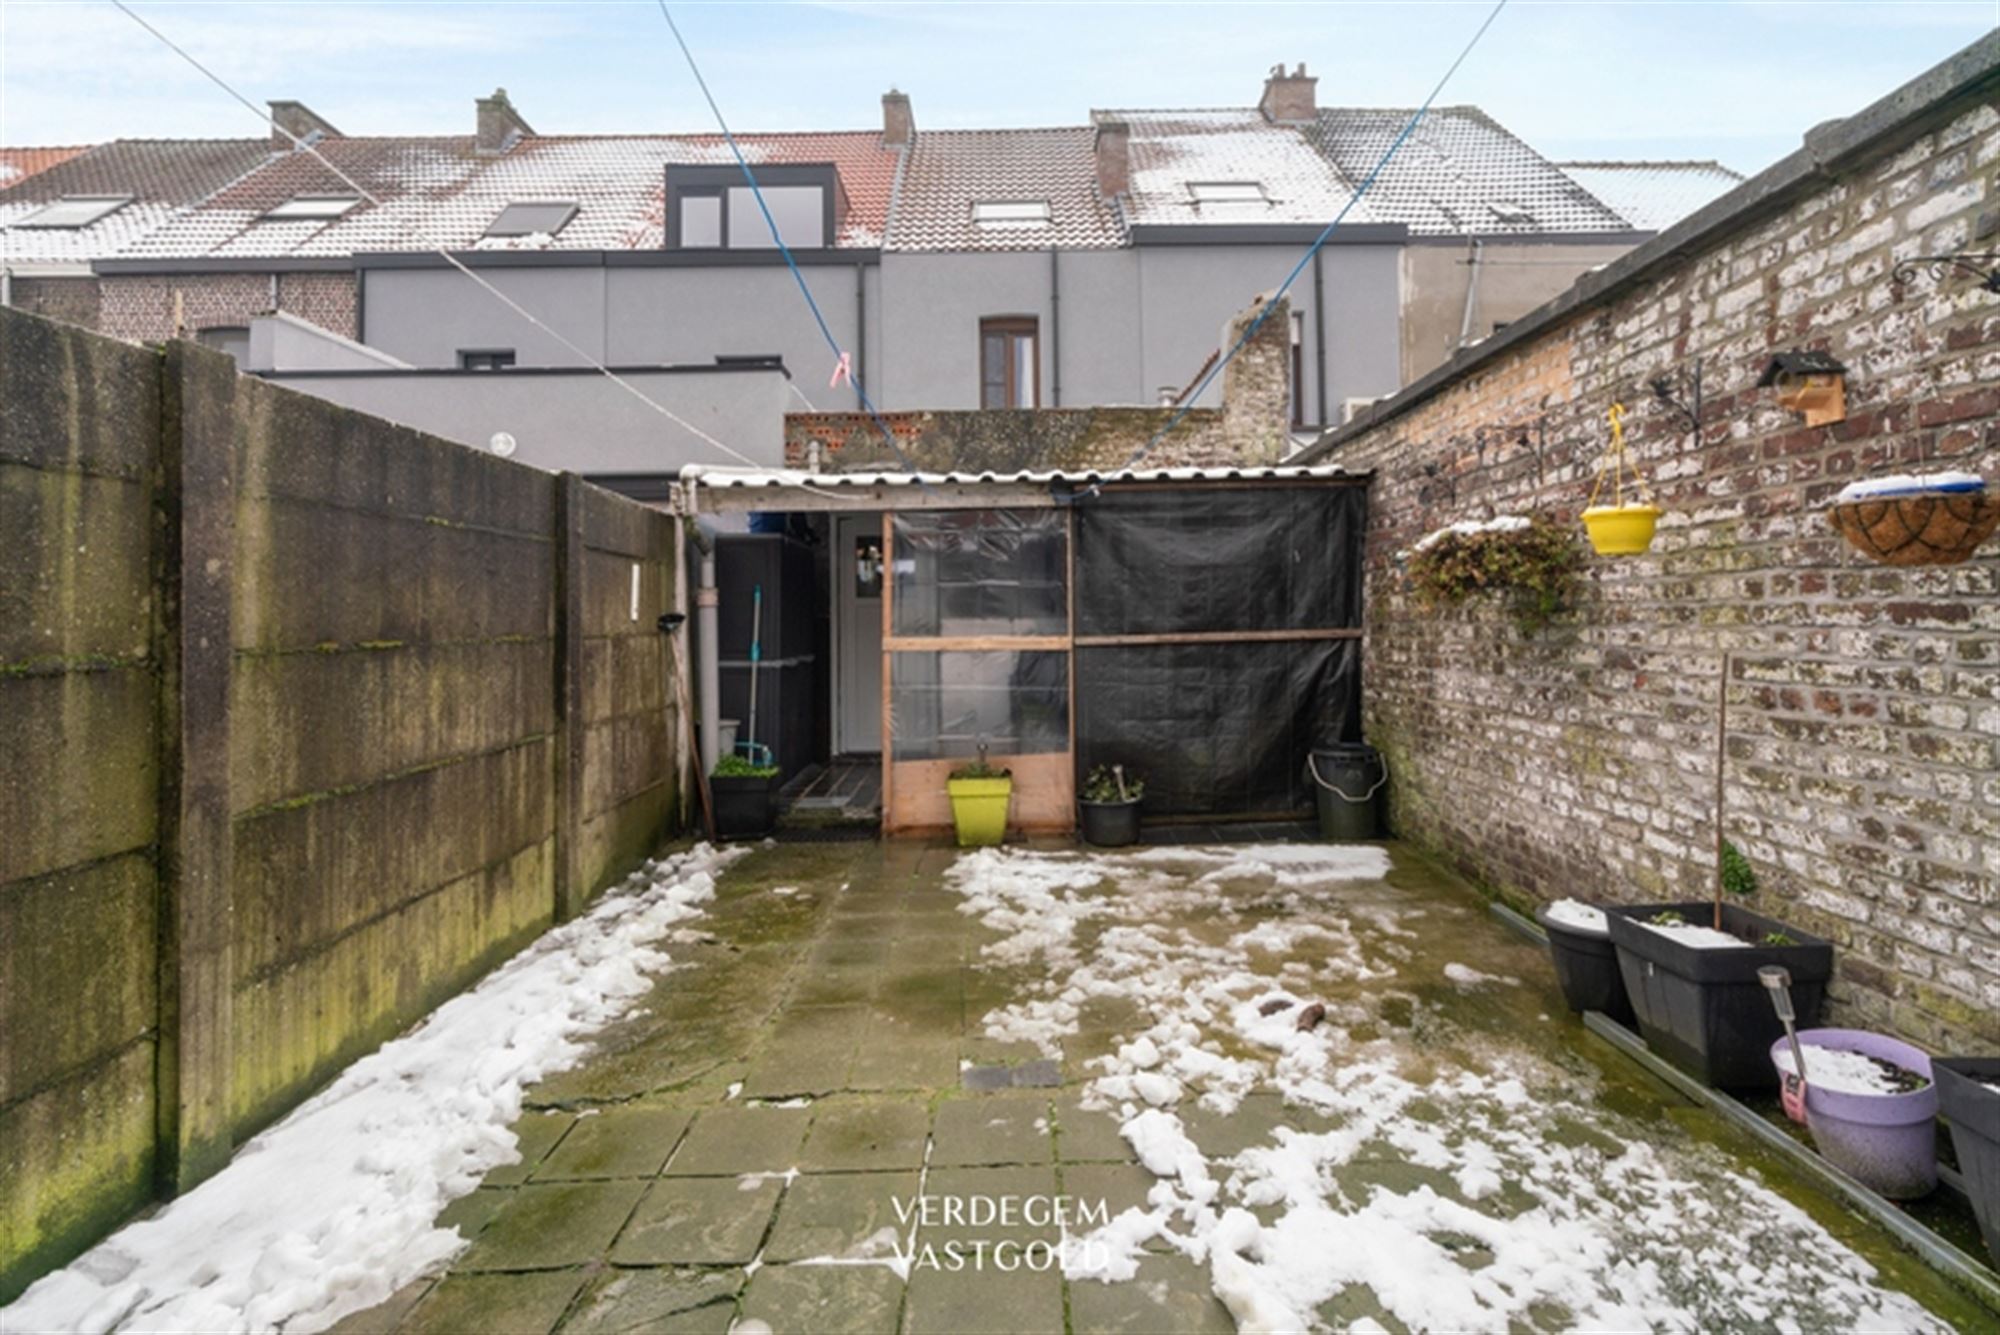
[499, 124]
[1288, 98]
[301, 121]
[1114, 158]
[899, 126]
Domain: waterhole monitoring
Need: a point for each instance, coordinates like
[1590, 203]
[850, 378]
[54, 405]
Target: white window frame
[312, 208]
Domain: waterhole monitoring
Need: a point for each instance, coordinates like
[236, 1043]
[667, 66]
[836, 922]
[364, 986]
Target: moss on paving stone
[842, 1215]
[736, 1139]
[519, 1304]
[993, 1129]
[986, 1302]
[620, 1142]
[668, 1300]
[825, 1299]
[1169, 1294]
[699, 1221]
[866, 1134]
[535, 1134]
[545, 1227]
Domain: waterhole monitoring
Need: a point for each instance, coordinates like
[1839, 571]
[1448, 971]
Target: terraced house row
[1070, 266]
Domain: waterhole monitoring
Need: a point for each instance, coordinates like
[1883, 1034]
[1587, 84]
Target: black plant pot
[1587, 969]
[1705, 1010]
[1110, 824]
[1973, 1109]
[745, 807]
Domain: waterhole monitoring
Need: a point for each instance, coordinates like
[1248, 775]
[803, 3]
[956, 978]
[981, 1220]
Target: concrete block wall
[80, 788]
[1864, 741]
[290, 702]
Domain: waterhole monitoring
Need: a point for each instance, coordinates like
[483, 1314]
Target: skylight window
[530, 217]
[1228, 192]
[302, 207]
[76, 211]
[1012, 213]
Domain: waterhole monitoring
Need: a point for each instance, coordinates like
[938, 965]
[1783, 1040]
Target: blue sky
[1686, 78]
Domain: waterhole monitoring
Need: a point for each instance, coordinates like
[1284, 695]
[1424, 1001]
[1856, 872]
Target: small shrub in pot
[1109, 806]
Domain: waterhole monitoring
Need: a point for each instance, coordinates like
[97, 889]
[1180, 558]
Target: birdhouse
[1812, 383]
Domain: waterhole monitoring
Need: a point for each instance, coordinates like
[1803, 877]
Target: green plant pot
[979, 810]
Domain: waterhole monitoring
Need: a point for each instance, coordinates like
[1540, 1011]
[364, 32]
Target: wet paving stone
[501, 1304]
[699, 1221]
[1002, 1129]
[1013, 1204]
[733, 1140]
[671, 1300]
[1169, 1296]
[826, 1299]
[982, 1302]
[844, 1216]
[869, 1135]
[621, 1142]
[546, 1227]
[536, 1134]
[1107, 1189]
[1086, 1135]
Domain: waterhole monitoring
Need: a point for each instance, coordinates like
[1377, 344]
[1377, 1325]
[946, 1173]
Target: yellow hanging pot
[1622, 528]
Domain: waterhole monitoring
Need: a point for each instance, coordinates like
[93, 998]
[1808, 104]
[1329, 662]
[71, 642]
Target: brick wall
[140, 307]
[1863, 781]
[306, 721]
[1250, 428]
[70, 300]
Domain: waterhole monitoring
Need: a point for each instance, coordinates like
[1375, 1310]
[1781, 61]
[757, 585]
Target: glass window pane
[943, 705]
[701, 220]
[982, 572]
[798, 210]
[1024, 371]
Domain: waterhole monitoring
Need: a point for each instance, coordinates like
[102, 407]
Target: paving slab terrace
[855, 1033]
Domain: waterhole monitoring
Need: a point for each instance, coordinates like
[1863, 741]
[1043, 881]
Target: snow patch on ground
[331, 1211]
[1475, 1195]
[1467, 976]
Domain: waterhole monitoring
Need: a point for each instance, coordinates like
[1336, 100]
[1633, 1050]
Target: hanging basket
[1918, 528]
[1622, 528]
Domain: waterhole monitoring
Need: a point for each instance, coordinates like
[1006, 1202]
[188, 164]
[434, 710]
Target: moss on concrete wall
[392, 722]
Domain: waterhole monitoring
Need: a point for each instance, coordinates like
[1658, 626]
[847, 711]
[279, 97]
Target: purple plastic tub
[1887, 1142]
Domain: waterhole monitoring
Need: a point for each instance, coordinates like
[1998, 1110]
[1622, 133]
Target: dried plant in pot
[1534, 564]
[1108, 807]
[1932, 519]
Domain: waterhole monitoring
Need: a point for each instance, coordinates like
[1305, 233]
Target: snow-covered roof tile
[163, 178]
[1653, 196]
[1173, 153]
[952, 172]
[1460, 173]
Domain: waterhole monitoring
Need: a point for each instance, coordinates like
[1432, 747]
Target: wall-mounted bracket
[1982, 265]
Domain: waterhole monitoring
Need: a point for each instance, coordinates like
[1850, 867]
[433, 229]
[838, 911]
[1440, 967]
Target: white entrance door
[857, 598]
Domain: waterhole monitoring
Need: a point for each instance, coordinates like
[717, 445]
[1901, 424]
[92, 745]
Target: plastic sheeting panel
[942, 705]
[981, 572]
[1250, 558]
[1218, 728]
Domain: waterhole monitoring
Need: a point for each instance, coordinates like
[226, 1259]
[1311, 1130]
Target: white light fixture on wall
[502, 444]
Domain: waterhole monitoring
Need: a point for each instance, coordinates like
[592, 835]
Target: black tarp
[1218, 728]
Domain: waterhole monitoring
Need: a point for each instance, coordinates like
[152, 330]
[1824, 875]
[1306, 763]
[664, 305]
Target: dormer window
[300, 208]
[524, 217]
[1005, 213]
[1228, 192]
[75, 211]
[711, 208]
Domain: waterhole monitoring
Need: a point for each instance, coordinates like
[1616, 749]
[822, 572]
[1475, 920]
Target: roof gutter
[1827, 151]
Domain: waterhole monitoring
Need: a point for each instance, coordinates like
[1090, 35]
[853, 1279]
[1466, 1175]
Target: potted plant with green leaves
[1691, 969]
[1532, 563]
[746, 798]
[980, 794]
[1109, 806]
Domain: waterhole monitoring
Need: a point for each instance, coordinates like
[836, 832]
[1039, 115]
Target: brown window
[1009, 363]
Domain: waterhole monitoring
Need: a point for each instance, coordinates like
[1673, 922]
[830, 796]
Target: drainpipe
[1471, 295]
[860, 332]
[1055, 330]
[6, 286]
[708, 630]
[1319, 329]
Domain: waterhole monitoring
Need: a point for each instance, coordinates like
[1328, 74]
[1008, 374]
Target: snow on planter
[1904, 484]
[1849, 1072]
[1579, 915]
[1694, 934]
[1437, 1173]
[331, 1211]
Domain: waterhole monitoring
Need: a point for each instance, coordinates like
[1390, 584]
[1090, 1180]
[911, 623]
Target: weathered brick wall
[70, 300]
[306, 721]
[1252, 427]
[1863, 782]
[140, 307]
